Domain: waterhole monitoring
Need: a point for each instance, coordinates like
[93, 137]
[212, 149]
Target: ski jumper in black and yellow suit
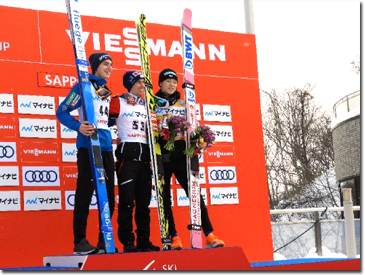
[174, 162]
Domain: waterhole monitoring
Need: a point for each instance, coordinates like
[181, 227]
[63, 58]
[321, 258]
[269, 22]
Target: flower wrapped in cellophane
[170, 127]
[201, 134]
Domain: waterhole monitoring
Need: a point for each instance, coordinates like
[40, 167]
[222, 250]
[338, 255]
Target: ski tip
[187, 12]
[187, 18]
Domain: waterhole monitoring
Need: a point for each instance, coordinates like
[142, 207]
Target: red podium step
[225, 258]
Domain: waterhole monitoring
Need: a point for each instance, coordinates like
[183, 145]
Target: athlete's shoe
[101, 247]
[147, 246]
[84, 247]
[129, 247]
[213, 241]
[176, 243]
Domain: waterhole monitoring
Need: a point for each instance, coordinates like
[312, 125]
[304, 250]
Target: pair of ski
[190, 111]
[96, 161]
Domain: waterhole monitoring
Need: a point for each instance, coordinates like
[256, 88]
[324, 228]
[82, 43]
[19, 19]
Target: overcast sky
[298, 42]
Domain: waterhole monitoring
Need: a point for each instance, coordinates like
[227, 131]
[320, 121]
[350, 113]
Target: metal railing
[310, 210]
[348, 208]
[347, 103]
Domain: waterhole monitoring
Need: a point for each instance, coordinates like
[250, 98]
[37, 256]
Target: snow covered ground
[313, 254]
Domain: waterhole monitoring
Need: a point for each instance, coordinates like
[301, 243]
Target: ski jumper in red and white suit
[133, 168]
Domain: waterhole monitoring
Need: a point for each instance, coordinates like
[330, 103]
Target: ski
[153, 133]
[190, 113]
[96, 160]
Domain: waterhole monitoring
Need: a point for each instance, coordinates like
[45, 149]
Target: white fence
[298, 237]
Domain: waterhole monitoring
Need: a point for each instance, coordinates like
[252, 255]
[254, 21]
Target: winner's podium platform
[225, 258]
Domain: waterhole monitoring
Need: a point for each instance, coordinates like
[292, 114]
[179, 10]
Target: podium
[224, 258]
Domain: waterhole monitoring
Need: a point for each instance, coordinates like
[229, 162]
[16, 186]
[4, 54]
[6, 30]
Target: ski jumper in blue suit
[85, 186]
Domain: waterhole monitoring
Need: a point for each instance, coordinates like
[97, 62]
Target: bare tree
[298, 147]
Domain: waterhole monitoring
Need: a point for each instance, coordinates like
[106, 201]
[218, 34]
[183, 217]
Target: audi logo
[71, 200]
[222, 174]
[40, 176]
[6, 151]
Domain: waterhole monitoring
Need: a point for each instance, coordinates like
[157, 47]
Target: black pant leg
[167, 198]
[143, 199]
[126, 190]
[84, 191]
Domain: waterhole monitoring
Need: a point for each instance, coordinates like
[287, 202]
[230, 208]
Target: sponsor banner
[36, 105]
[221, 113]
[119, 39]
[7, 127]
[40, 176]
[9, 176]
[9, 200]
[39, 152]
[7, 151]
[74, 112]
[56, 80]
[69, 152]
[222, 133]
[223, 195]
[222, 174]
[153, 203]
[70, 200]
[42, 200]
[182, 199]
[202, 175]
[37, 128]
[70, 175]
[7, 103]
[67, 132]
[220, 154]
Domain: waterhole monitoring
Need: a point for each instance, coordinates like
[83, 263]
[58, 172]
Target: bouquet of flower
[201, 134]
[170, 127]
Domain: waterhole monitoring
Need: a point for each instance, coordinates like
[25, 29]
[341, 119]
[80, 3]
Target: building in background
[346, 143]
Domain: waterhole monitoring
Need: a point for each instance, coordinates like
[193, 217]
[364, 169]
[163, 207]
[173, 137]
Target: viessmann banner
[215, 52]
[38, 169]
